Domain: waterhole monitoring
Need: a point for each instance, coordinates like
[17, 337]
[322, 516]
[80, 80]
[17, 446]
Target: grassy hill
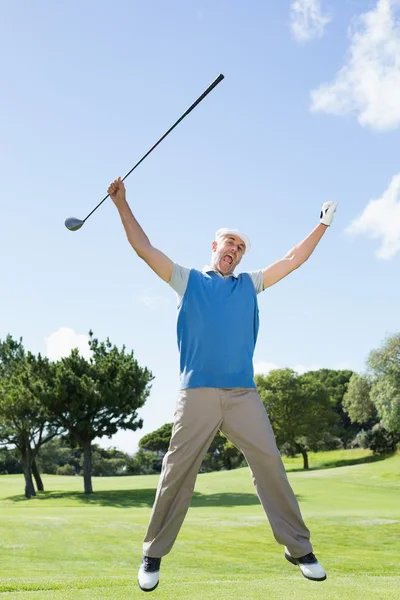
[62, 545]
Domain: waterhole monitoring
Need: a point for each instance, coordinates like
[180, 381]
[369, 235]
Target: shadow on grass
[345, 462]
[142, 498]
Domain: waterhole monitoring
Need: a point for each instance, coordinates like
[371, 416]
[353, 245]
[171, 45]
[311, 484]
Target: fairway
[62, 545]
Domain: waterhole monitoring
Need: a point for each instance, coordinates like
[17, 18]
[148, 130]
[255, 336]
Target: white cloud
[368, 84]
[61, 342]
[381, 220]
[154, 302]
[307, 21]
[263, 368]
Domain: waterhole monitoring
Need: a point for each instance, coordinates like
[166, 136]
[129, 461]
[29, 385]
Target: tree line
[51, 412]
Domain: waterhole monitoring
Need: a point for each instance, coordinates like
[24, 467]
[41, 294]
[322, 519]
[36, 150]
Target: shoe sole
[296, 564]
[148, 589]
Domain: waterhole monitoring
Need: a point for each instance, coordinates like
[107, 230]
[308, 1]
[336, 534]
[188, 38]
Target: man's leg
[197, 418]
[247, 426]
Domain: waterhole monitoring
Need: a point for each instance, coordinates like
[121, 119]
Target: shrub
[378, 439]
[65, 470]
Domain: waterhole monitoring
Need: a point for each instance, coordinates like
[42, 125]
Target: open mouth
[227, 259]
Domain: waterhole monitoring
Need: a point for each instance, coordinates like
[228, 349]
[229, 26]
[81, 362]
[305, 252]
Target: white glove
[327, 211]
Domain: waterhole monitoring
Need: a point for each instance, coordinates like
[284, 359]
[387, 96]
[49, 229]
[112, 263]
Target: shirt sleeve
[257, 278]
[179, 279]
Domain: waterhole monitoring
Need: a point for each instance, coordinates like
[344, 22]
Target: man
[217, 330]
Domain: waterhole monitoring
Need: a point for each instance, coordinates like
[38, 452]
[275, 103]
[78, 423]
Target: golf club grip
[199, 99]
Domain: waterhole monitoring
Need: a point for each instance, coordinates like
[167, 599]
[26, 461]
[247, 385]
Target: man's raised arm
[137, 238]
[302, 251]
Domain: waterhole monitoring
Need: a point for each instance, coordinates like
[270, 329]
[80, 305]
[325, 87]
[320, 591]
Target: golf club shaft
[199, 99]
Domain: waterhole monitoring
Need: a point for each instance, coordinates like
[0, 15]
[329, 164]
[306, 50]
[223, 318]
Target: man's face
[227, 253]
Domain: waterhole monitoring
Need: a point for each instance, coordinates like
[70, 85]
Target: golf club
[73, 224]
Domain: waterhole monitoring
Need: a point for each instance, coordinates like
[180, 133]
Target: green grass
[62, 546]
[330, 460]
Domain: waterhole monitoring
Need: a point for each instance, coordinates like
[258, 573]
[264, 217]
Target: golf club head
[73, 224]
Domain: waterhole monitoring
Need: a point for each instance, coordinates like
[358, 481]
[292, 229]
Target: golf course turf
[62, 545]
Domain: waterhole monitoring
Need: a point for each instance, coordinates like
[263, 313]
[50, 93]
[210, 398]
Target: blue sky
[309, 111]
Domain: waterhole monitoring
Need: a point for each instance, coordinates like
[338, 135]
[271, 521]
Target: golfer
[217, 327]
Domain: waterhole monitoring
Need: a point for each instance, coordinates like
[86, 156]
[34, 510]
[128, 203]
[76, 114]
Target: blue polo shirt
[217, 327]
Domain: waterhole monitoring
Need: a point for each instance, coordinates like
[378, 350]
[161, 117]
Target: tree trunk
[227, 462]
[27, 463]
[87, 467]
[305, 457]
[36, 474]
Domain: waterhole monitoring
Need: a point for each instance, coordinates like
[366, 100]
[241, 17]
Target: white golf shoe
[309, 566]
[149, 573]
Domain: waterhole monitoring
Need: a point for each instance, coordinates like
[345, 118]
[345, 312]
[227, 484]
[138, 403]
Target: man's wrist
[120, 203]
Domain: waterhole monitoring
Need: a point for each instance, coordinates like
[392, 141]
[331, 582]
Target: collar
[208, 269]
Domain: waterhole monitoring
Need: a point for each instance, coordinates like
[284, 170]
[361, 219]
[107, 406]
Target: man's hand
[117, 191]
[327, 211]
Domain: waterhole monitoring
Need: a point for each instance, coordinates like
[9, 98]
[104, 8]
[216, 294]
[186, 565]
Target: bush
[335, 443]
[108, 467]
[325, 443]
[10, 462]
[287, 449]
[144, 462]
[56, 453]
[359, 440]
[65, 470]
[377, 439]
[328, 442]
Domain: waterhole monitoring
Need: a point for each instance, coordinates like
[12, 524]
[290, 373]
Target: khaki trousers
[241, 416]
